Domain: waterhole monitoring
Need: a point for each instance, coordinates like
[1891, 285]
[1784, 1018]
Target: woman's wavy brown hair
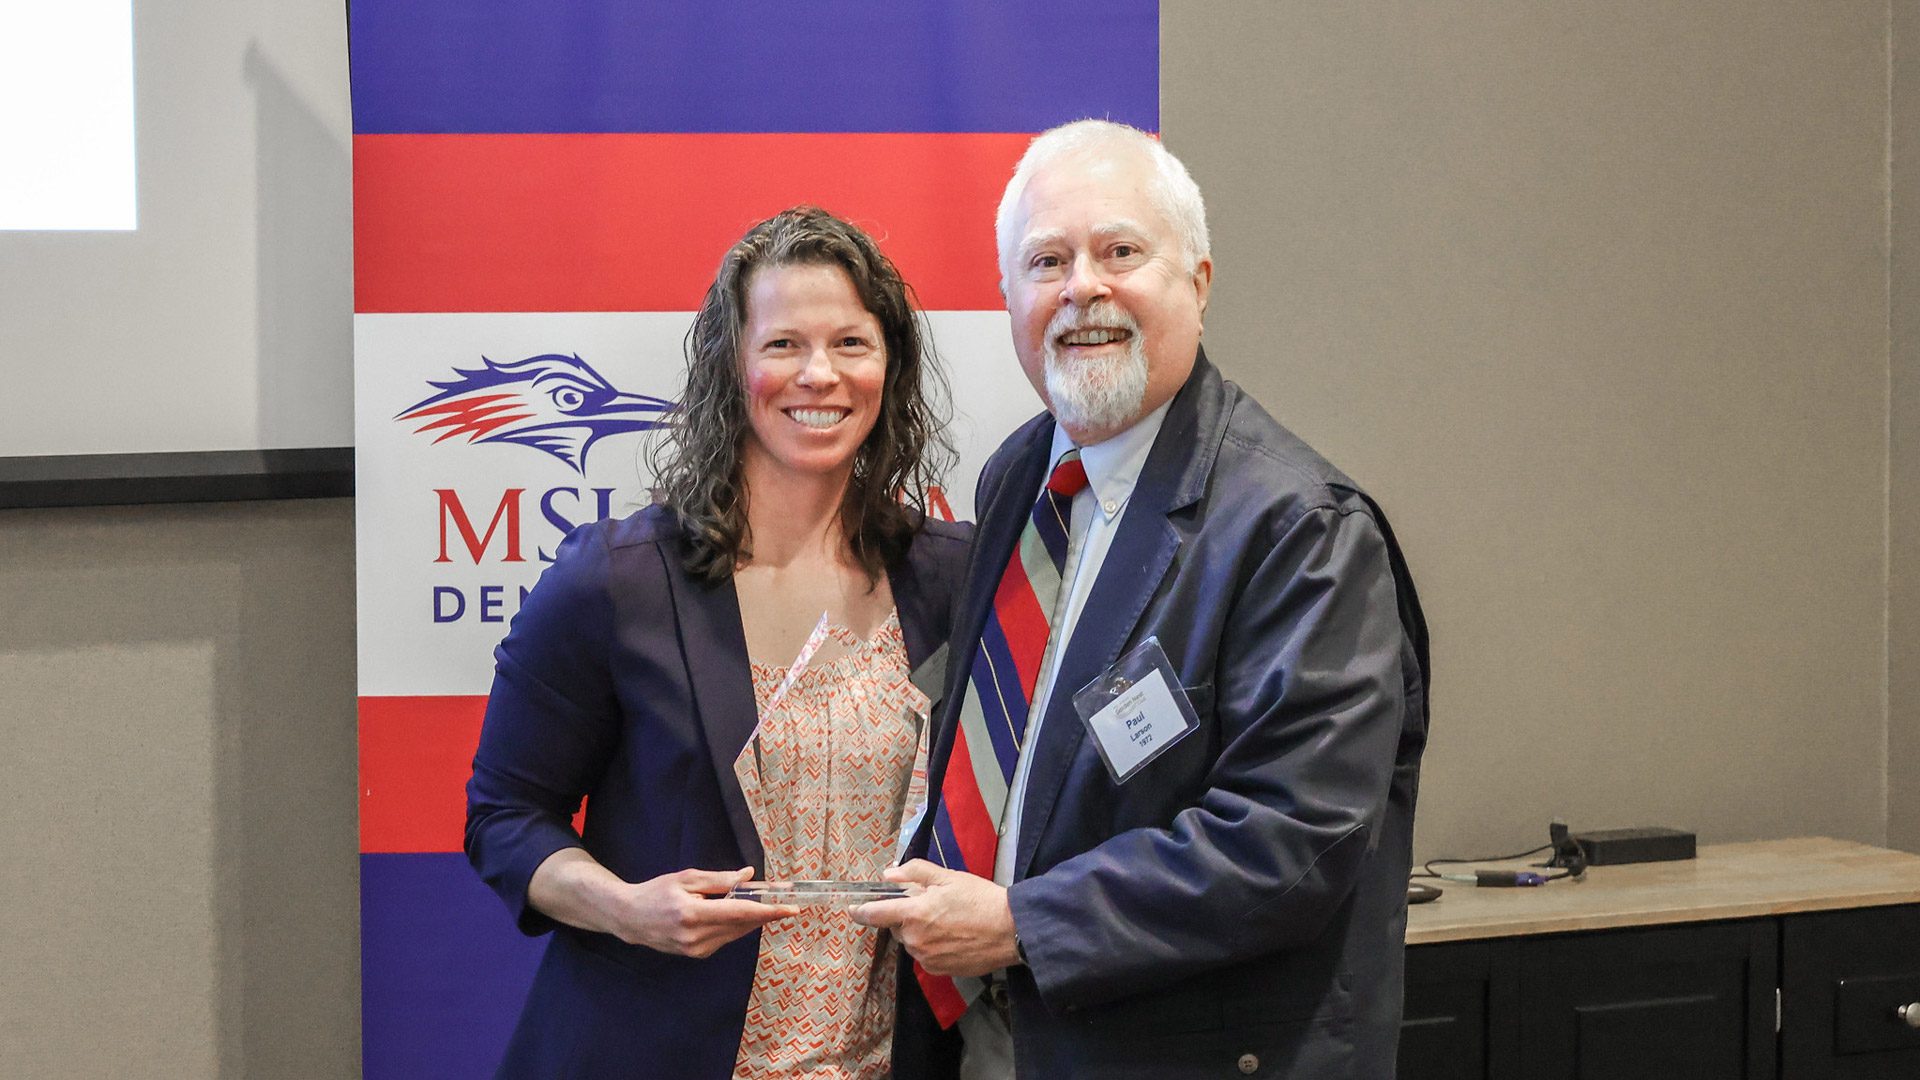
[697, 465]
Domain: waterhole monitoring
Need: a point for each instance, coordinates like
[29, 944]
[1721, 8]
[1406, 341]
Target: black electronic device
[1616, 847]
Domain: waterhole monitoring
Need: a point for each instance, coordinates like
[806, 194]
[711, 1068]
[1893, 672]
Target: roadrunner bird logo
[554, 403]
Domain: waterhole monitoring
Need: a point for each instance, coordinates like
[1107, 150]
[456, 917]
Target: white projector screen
[223, 322]
[66, 115]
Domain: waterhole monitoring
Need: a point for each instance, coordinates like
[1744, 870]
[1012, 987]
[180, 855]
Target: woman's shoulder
[942, 533]
[651, 524]
[939, 547]
[594, 552]
[936, 557]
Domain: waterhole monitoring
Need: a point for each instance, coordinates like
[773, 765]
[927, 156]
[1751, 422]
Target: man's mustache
[1104, 314]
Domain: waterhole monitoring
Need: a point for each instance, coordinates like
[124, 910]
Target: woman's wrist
[572, 887]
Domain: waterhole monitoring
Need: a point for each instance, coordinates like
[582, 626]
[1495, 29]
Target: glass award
[819, 893]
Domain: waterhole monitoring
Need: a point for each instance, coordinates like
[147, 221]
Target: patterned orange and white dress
[840, 759]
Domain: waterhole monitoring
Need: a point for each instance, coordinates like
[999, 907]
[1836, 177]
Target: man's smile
[1092, 336]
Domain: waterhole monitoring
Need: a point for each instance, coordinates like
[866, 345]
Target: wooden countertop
[1726, 881]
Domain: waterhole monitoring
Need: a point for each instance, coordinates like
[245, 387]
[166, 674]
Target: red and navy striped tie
[993, 717]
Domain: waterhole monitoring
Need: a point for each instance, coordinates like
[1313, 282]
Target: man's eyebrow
[1123, 227]
[1037, 240]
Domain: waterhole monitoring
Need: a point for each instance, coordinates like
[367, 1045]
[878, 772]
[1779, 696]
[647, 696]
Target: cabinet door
[1844, 977]
[1459, 1018]
[1691, 1001]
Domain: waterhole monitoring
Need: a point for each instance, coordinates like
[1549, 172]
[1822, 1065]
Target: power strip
[1616, 847]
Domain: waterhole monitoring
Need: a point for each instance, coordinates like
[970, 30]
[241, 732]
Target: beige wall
[1903, 533]
[1593, 297]
[181, 884]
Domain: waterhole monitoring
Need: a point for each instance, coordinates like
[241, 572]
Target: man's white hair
[1172, 190]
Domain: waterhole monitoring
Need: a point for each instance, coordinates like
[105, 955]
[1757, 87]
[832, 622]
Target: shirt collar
[1113, 466]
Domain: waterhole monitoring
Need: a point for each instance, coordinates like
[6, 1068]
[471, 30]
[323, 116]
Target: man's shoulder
[1024, 439]
[1261, 462]
[1009, 454]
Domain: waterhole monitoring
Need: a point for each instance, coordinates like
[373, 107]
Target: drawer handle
[1909, 1014]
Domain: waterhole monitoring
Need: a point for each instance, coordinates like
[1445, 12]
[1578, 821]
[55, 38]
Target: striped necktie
[993, 716]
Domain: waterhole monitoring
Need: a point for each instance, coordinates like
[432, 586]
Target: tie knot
[1069, 477]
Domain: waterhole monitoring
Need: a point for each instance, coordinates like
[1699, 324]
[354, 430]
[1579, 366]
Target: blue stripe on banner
[995, 679]
[751, 65]
[443, 972]
[1048, 513]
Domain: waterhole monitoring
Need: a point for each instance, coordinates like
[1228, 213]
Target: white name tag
[1135, 712]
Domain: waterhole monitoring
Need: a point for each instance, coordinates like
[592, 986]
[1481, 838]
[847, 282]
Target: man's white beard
[1102, 394]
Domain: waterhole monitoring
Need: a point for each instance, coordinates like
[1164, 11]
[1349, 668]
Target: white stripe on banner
[456, 519]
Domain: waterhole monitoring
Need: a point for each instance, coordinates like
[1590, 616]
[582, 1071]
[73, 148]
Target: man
[1236, 903]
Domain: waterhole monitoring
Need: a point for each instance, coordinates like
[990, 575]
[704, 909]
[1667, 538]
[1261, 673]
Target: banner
[542, 192]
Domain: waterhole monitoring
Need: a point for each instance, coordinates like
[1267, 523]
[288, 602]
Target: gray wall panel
[1593, 298]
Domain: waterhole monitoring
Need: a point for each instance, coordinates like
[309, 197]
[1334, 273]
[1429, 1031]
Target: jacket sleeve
[551, 725]
[1308, 699]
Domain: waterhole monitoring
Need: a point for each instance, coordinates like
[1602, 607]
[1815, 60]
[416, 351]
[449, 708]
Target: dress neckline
[855, 646]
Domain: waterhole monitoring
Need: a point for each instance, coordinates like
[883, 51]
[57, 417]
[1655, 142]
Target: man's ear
[1203, 282]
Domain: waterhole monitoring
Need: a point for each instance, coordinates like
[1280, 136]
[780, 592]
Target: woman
[653, 672]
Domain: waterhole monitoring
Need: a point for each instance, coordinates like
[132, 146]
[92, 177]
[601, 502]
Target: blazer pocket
[1305, 998]
[1188, 756]
[1200, 696]
[1189, 1007]
[633, 961]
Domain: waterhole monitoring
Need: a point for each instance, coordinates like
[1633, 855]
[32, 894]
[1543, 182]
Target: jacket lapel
[714, 645]
[922, 633]
[1174, 477]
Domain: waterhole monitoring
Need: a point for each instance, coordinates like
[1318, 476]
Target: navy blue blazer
[1245, 892]
[625, 680]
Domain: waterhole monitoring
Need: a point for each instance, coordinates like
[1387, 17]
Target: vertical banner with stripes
[542, 192]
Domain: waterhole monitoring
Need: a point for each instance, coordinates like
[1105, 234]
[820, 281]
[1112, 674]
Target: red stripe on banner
[1022, 622]
[415, 756]
[638, 222]
[967, 810]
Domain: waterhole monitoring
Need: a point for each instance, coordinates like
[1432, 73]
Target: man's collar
[1113, 465]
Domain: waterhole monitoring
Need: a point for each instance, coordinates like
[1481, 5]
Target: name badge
[1136, 711]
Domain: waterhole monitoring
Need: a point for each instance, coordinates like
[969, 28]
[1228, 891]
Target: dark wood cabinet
[1693, 1002]
[1846, 976]
[1790, 997]
[1453, 994]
